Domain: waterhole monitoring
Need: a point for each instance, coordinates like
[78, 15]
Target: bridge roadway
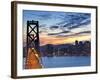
[33, 59]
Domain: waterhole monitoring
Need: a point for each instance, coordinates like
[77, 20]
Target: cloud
[36, 15]
[79, 25]
[75, 20]
[58, 33]
[62, 40]
[42, 25]
[75, 34]
[54, 27]
[84, 32]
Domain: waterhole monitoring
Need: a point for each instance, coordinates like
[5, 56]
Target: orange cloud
[44, 39]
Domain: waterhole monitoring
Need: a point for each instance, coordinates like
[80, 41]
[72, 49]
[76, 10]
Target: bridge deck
[32, 61]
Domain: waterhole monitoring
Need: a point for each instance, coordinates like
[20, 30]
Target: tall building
[76, 42]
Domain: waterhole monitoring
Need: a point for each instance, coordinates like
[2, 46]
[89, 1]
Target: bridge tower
[33, 54]
[33, 34]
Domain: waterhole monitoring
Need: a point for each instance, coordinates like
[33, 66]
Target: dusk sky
[60, 27]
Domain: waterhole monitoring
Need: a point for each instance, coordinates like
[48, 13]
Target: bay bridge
[33, 57]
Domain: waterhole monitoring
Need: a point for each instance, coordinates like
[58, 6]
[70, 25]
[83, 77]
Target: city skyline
[79, 48]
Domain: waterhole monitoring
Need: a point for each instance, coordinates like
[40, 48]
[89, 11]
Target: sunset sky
[59, 27]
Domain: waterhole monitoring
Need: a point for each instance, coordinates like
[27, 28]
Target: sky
[59, 27]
